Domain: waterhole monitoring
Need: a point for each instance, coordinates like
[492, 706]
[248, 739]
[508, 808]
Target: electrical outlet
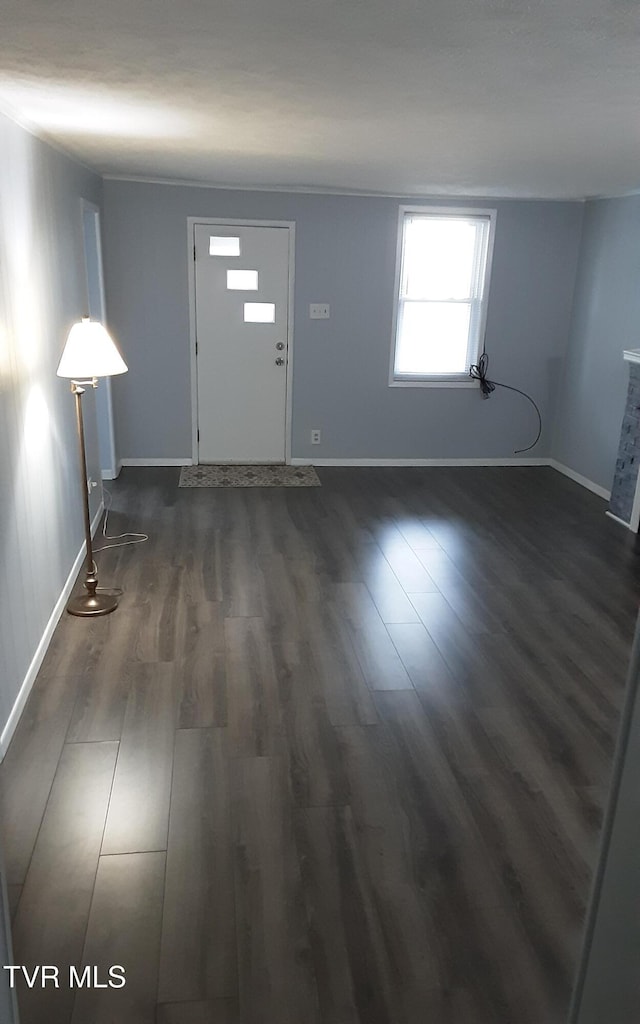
[319, 311]
[316, 436]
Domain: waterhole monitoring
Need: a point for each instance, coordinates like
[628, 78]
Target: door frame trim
[109, 472]
[191, 265]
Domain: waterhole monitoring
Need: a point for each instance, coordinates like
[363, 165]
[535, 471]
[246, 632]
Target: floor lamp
[89, 353]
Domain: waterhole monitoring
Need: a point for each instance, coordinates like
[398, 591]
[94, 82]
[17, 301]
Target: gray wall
[606, 320]
[42, 292]
[345, 255]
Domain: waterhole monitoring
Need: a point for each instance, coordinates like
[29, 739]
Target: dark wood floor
[339, 757]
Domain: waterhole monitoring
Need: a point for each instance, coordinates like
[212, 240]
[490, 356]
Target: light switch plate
[319, 311]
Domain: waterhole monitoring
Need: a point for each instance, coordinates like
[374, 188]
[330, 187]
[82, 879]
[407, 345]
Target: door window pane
[259, 313]
[242, 280]
[224, 245]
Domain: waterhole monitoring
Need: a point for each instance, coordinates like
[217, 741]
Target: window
[443, 269]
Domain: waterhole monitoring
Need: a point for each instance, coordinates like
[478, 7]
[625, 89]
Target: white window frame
[460, 380]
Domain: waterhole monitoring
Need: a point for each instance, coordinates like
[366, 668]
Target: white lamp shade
[90, 352]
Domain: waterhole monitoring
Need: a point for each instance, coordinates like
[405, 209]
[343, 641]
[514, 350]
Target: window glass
[441, 301]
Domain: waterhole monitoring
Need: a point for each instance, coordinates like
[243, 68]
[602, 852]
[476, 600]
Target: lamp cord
[479, 372]
[137, 538]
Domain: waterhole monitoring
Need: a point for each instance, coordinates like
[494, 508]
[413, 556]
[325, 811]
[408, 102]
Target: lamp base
[92, 604]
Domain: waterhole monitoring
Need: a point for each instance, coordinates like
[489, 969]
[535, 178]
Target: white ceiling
[484, 97]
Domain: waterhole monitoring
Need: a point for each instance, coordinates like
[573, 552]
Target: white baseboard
[621, 521]
[41, 650]
[577, 478]
[602, 492]
[420, 462]
[156, 462]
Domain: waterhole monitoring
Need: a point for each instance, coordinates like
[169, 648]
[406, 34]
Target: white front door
[242, 304]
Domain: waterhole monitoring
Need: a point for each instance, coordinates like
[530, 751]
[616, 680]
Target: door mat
[249, 476]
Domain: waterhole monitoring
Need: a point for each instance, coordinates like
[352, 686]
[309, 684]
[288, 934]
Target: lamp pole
[90, 603]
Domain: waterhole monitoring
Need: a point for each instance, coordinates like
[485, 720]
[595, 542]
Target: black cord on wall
[479, 372]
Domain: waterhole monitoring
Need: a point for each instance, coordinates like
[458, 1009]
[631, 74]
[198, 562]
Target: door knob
[280, 346]
[279, 361]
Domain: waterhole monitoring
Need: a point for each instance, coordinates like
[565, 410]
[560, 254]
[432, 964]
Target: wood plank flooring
[339, 757]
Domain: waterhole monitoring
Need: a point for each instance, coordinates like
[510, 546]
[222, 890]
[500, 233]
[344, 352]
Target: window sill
[434, 382]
